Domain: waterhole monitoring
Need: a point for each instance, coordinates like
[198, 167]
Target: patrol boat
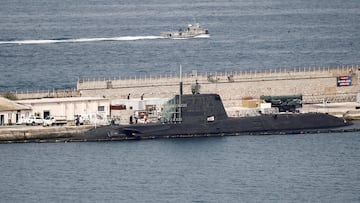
[203, 115]
[190, 32]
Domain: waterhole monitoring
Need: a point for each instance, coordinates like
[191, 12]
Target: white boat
[190, 32]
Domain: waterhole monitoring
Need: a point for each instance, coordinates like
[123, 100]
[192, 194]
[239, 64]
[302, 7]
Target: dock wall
[38, 132]
[45, 94]
[315, 84]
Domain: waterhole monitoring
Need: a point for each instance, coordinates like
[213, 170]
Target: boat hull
[177, 35]
[190, 32]
[264, 124]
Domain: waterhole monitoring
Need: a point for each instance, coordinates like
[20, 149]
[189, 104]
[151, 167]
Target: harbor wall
[315, 84]
[44, 94]
[21, 133]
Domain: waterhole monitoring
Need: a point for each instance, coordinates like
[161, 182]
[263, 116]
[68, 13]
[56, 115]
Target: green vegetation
[9, 95]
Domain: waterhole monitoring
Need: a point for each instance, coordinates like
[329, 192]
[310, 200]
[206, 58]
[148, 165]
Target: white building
[122, 109]
[94, 109]
[12, 112]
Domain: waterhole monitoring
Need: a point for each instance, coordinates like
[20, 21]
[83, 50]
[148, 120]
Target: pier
[11, 134]
[314, 83]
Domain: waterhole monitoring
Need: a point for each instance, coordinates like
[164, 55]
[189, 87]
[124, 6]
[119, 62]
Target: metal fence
[213, 77]
[31, 94]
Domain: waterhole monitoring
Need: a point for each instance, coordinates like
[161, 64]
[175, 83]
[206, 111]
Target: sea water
[275, 168]
[50, 44]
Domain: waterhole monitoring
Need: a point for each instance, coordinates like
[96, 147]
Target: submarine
[204, 115]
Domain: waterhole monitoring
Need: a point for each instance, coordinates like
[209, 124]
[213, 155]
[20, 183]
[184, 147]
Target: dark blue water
[245, 35]
[291, 168]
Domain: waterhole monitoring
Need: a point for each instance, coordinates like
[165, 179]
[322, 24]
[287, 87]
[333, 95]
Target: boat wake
[203, 36]
[53, 41]
[79, 40]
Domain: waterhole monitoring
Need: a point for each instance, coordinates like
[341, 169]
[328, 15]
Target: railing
[212, 77]
[32, 94]
[234, 76]
[311, 99]
[238, 73]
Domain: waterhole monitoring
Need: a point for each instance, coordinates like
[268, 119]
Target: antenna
[181, 83]
[181, 92]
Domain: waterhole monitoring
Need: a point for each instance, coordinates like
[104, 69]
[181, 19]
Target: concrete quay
[15, 133]
[315, 84]
[347, 110]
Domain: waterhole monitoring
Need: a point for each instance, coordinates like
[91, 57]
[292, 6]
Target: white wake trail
[52, 41]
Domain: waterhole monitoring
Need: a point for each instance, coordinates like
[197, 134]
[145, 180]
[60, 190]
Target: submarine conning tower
[197, 108]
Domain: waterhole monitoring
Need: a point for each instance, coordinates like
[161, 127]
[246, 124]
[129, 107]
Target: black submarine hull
[202, 115]
[258, 125]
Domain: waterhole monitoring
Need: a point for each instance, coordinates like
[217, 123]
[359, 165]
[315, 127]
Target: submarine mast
[177, 102]
[180, 94]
